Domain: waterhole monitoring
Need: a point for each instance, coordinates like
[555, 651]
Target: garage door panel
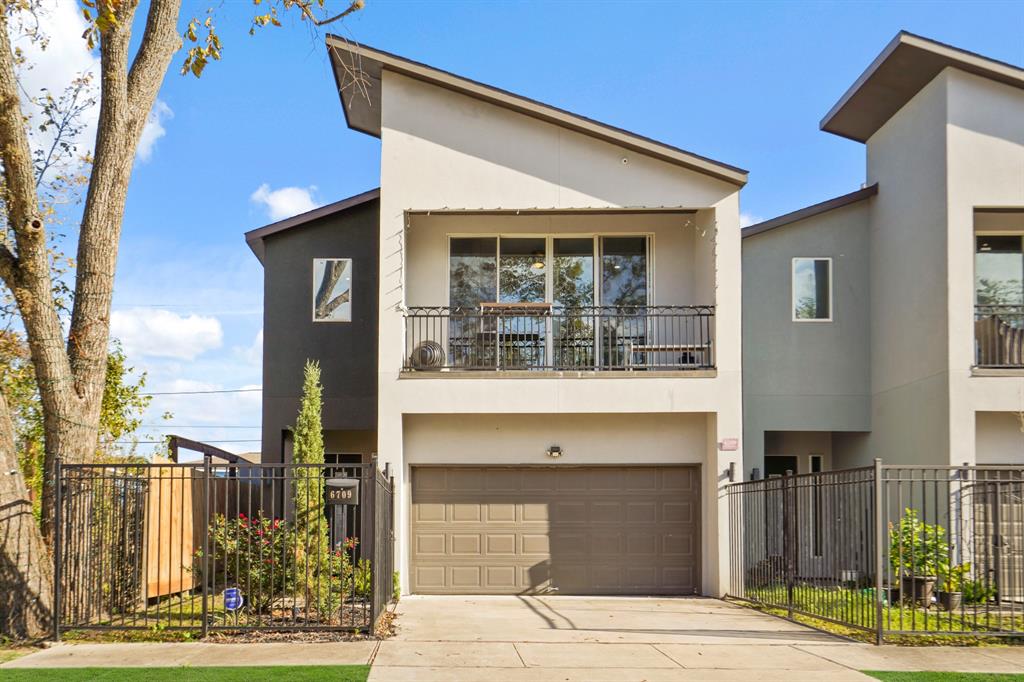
[465, 544]
[582, 530]
[504, 512]
[501, 544]
[645, 513]
[429, 512]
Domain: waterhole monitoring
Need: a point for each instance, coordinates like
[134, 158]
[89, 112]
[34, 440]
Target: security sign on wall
[342, 491]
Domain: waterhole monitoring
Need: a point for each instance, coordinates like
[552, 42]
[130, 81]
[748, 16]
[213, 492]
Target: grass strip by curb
[941, 676]
[292, 673]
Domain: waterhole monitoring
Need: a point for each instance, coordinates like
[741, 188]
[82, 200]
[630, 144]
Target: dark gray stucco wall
[806, 376]
[347, 351]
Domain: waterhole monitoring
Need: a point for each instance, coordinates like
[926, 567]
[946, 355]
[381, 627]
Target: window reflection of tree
[574, 296]
[325, 303]
[624, 289]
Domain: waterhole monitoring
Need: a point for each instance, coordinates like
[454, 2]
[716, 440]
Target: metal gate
[204, 546]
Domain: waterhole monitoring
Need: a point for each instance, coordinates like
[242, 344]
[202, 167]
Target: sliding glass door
[556, 302]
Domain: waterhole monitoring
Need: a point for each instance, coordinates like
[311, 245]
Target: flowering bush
[255, 554]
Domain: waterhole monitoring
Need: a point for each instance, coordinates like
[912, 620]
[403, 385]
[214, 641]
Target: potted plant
[917, 553]
[950, 595]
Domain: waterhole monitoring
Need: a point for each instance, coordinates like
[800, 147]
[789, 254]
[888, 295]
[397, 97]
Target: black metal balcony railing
[999, 336]
[543, 337]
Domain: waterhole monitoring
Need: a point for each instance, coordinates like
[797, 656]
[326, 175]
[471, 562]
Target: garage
[564, 530]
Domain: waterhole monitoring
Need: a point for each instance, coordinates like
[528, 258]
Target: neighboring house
[293, 252]
[887, 322]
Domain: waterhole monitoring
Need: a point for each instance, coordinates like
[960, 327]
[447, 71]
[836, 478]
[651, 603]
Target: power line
[228, 390]
[164, 442]
[195, 426]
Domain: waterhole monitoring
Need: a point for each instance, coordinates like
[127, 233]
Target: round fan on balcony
[427, 355]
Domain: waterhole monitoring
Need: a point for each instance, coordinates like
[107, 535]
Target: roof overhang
[357, 74]
[906, 65]
[254, 238]
[810, 211]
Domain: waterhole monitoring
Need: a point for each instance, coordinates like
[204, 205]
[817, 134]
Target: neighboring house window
[332, 289]
[812, 289]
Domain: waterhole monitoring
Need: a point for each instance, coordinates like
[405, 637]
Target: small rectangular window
[332, 289]
[812, 289]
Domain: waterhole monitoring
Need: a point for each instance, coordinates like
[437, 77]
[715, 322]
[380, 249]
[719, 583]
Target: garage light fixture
[554, 452]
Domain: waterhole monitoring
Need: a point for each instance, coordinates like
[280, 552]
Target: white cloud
[748, 219]
[153, 130]
[252, 354]
[164, 334]
[285, 202]
[52, 69]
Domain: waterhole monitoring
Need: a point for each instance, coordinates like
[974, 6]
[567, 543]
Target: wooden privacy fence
[204, 546]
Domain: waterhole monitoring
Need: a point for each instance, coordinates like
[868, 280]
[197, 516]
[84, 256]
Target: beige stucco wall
[441, 149]
[999, 438]
[907, 158]
[800, 375]
[986, 169]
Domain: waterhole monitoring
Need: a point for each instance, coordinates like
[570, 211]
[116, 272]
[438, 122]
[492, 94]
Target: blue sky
[741, 82]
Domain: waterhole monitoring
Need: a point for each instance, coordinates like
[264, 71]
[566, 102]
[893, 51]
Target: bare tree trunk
[26, 587]
[70, 375]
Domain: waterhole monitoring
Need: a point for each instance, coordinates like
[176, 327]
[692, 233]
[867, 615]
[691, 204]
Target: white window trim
[352, 266]
[792, 291]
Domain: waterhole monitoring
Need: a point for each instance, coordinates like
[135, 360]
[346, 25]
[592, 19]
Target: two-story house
[888, 322]
[535, 321]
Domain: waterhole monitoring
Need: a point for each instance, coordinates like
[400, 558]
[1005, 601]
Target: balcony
[541, 337]
[999, 336]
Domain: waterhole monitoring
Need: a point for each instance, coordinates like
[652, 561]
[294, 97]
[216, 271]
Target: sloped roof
[254, 238]
[809, 211]
[357, 73]
[906, 65]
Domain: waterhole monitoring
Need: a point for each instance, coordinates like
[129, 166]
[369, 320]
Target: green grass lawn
[942, 677]
[292, 673]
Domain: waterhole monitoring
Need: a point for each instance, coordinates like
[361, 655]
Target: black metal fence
[890, 550]
[999, 336]
[206, 546]
[539, 336]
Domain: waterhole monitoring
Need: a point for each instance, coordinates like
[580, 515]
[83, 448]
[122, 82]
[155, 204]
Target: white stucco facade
[445, 150]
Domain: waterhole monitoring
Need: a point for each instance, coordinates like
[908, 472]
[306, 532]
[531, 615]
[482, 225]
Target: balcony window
[998, 300]
[812, 289]
[624, 271]
[998, 270]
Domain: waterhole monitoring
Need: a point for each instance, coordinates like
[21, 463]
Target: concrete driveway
[586, 638]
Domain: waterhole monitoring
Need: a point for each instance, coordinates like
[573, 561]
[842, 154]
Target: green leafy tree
[67, 326]
[312, 538]
[120, 418]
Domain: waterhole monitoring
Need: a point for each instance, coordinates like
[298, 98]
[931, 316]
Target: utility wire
[163, 442]
[228, 390]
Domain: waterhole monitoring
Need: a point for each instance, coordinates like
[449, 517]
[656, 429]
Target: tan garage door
[567, 530]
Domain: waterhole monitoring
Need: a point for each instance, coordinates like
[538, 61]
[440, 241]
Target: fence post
[58, 500]
[879, 554]
[788, 537]
[206, 545]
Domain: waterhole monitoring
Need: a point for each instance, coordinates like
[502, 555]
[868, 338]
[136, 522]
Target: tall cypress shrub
[312, 538]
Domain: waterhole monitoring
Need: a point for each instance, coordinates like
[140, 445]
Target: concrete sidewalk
[399, 661]
[494, 639]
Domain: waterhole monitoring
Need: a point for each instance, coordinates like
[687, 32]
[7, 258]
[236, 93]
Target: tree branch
[306, 9]
[160, 41]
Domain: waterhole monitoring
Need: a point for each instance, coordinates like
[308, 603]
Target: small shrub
[396, 586]
[917, 548]
[253, 554]
[977, 592]
[362, 580]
